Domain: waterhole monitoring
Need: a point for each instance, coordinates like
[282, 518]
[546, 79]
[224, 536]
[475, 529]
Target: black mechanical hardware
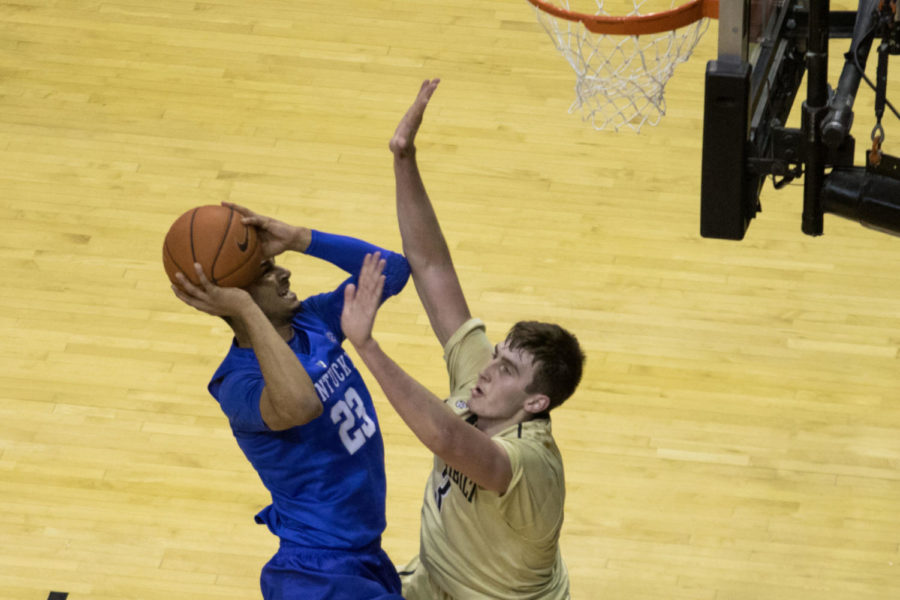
[746, 106]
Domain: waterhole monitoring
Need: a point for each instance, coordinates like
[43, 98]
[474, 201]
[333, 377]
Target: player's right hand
[401, 143]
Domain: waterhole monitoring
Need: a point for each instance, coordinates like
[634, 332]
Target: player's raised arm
[454, 440]
[423, 241]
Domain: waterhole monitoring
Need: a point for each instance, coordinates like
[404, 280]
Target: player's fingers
[201, 276]
[374, 285]
[185, 284]
[367, 262]
[178, 292]
[239, 209]
[378, 276]
[192, 301]
[256, 221]
[373, 265]
[428, 89]
[423, 91]
[379, 287]
[248, 217]
[349, 294]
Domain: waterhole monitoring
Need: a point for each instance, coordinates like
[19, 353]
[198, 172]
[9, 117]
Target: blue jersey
[326, 477]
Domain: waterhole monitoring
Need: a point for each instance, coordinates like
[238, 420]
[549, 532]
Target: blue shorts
[301, 573]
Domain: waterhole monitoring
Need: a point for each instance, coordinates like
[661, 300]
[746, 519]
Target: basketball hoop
[622, 63]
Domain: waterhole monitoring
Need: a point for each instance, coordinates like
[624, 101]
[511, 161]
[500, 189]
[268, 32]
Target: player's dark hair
[558, 359]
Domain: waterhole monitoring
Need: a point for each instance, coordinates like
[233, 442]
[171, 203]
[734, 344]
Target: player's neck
[492, 427]
[243, 339]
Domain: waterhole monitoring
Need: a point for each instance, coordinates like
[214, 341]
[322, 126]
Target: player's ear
[537, 403]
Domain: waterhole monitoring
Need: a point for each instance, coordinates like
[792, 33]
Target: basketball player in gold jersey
[493, 504]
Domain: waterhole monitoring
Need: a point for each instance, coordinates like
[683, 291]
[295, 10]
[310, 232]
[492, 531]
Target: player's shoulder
[533, 430]
[532, 441]
[314, 331]
[237, 358]
[469, 336]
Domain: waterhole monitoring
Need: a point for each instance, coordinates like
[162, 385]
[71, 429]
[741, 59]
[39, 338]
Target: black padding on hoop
[726, 187]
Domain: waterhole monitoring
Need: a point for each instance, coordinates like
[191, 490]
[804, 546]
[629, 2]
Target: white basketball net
[620, 79]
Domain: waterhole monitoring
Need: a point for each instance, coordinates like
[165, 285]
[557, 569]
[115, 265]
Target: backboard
[751, 83]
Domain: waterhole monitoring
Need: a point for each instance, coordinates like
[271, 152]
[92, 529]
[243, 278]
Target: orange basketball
[215, 237]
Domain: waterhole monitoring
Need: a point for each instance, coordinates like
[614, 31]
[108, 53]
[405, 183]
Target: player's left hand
[361, 301]
[275, 236]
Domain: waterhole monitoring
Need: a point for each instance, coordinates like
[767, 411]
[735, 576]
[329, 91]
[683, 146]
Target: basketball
[215, 237]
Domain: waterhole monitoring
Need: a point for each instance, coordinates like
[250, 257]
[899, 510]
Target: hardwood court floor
[737, 433]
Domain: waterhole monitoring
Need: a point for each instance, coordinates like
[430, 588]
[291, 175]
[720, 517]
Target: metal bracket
[889, 166]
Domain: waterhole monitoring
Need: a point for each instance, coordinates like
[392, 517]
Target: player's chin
[292, 304]
[287, 304]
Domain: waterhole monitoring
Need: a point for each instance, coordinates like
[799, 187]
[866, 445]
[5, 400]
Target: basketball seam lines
[243, 264]
[212, 267]
[172, 258]
[214, 280]
[235, 270]
[191, 237]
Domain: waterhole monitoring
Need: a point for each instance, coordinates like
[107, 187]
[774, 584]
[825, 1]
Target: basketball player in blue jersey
[303, 417]
[493, 507]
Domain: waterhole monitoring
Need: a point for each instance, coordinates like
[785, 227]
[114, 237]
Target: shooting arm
[289, 398]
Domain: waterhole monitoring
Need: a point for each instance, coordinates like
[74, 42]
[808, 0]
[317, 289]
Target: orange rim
[657, 22]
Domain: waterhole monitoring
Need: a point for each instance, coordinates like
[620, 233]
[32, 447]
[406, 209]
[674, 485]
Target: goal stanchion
[623, 62]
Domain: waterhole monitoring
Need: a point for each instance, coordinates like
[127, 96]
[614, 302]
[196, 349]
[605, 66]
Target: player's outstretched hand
[210, 298]
[402, 144]
[275, 236]
[361, 301]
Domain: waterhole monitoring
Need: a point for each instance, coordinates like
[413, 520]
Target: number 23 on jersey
[354, 425]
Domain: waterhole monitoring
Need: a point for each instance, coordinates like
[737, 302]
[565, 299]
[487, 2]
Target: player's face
[499, 393]
[272, 292]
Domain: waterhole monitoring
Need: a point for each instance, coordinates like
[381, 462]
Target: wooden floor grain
[737, 433]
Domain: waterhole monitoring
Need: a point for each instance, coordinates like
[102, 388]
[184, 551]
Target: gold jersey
[476, 543]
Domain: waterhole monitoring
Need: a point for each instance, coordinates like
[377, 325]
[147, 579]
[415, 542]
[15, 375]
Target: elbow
[293, 411]
[416, 259]
[305, 401]
[397, 272]
[421, 262]
[309, 407]
[314, 408]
